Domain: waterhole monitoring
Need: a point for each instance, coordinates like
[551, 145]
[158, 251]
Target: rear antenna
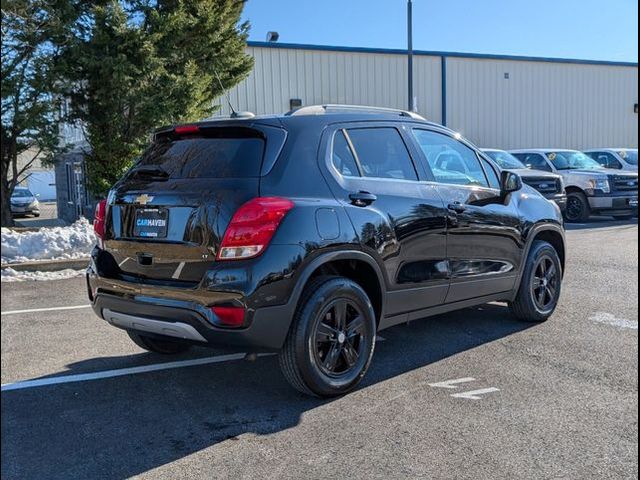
[234, 114]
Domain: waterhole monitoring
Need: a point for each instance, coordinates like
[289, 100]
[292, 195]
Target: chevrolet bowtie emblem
[143, 199]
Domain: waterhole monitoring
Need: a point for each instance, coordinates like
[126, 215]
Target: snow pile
[53, 243]
[10, 275]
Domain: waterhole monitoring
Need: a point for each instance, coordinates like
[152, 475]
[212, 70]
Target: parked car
[306, 233]
[24, 202]
[591, 188]
[550, 185]
[616, 158]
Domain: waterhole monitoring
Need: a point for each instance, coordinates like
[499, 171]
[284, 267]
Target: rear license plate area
[151, 223]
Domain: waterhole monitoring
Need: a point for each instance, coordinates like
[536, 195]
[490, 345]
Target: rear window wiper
[151, 171]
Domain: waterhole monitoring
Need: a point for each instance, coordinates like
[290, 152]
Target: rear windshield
[203, 158]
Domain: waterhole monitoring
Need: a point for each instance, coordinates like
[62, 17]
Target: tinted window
[494, 181]
[382, 153]
[450, 160]
[342, 157]
[534, 161]
[204, 158]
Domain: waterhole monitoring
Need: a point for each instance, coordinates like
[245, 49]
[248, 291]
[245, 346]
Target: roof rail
[321, 109]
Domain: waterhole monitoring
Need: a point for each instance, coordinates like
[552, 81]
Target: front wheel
[332, 338]
[165, 347]
[578, 209]
[540, 286]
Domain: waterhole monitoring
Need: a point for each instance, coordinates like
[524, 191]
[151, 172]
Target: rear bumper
[265, 332]
[614, 202]
[184, 312]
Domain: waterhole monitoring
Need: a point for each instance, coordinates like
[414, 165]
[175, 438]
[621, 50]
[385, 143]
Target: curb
[48, 265]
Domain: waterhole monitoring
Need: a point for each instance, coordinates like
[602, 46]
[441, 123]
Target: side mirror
[510, 182]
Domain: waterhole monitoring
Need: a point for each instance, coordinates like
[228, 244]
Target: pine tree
[144, 64]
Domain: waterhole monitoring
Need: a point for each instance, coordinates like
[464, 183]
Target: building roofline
[395, 51]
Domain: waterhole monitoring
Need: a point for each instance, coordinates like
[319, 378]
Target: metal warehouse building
[494, 100]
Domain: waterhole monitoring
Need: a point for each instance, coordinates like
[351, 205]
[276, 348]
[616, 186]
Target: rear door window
[342, 156]
[381, 153]
[203, 158]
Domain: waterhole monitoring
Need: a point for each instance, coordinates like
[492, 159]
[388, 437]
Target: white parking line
[85, 377]
[451, 383]
[50, 309]
[610, 319]
[475, 394]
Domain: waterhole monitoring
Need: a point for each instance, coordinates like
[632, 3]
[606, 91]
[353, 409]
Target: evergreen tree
[144, 64]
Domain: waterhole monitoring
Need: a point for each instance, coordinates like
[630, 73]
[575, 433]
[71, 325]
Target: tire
[323, 355]
[527, 305]
[623, 217]
[36, 214]
[578, 209]
[165, 347]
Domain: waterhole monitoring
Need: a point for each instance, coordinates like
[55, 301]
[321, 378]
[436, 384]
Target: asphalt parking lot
[473, 394]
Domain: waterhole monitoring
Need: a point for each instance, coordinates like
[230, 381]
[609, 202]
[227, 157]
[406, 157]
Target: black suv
[308, 232]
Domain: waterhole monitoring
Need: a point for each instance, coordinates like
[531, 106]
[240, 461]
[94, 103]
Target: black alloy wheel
[540, 286]
[338, 337]
[544, 285]
[577, 208]
[332, 338]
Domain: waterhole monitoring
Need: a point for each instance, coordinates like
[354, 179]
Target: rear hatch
[168, 214]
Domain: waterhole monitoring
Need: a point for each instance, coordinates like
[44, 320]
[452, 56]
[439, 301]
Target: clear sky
[586, 29]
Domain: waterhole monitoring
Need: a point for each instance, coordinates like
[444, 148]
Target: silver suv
[591, 188]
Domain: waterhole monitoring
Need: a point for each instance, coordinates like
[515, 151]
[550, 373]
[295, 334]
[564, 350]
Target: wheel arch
[549, 232]
[355, 265]
[574, 189]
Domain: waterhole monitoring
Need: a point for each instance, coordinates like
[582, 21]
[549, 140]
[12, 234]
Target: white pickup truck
[625, 159]
[591, 188]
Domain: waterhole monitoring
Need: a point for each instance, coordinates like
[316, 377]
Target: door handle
[362, 199]
[457, 207]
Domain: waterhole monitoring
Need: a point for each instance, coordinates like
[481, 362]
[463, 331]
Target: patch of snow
[54, 243]
[610, 319]
[11, 275]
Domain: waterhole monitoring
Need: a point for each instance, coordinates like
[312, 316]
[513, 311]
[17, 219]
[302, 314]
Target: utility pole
[410, 53]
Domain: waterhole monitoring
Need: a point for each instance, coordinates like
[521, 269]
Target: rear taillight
[252, 227]
[229, 316]
[99, 221]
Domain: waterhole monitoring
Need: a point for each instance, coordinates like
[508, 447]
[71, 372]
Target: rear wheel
[578, 209]
[165, 347]
[540, 286]
[332, 338]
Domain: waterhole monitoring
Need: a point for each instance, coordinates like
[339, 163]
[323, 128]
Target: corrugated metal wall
[541, 104]
[319, 77]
